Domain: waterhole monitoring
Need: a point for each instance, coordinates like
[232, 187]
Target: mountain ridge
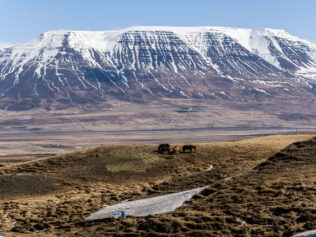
[142, 63]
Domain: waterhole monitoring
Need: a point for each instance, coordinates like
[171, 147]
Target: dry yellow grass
[86, 180]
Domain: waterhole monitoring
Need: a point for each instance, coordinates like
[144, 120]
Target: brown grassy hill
[276, 198]
[254, 189]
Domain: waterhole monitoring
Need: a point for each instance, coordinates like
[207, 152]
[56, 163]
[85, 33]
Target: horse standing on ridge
[176, 150]
[188, 147]
[163, 147]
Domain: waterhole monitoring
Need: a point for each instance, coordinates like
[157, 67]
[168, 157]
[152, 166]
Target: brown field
[254, 189]
[37, 133]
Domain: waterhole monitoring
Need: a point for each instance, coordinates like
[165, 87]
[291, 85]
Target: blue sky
[22, 20]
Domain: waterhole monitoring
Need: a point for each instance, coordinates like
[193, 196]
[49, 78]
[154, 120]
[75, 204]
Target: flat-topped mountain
[148, 63]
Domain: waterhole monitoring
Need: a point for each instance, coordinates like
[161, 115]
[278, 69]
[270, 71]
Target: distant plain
[31, 134]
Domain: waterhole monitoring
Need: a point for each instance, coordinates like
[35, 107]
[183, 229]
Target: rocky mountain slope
[145, 63]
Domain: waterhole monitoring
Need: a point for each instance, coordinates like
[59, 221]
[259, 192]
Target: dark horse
[188, 147]
[164, 147]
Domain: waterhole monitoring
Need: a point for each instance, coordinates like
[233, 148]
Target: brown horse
[164, 147]
[188, 147]
[176, 150]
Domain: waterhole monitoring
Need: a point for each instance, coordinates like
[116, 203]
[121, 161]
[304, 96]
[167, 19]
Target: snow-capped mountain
[140, 63]
[5, 45]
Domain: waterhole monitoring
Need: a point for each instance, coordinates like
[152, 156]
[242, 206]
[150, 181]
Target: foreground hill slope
[254, 189]
[276, 198]
[149, 63]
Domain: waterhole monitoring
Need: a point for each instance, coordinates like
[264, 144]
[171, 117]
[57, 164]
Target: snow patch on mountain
[39, 51]
[5, 45]
[309, 72]
[99, 40]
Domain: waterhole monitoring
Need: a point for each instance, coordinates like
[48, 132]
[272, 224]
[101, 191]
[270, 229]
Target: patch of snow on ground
[144, 207]
[211, 167]
[310, 233]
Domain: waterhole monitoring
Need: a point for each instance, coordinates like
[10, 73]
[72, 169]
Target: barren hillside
[258, 186]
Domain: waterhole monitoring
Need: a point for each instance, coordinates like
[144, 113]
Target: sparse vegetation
[255, 189]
